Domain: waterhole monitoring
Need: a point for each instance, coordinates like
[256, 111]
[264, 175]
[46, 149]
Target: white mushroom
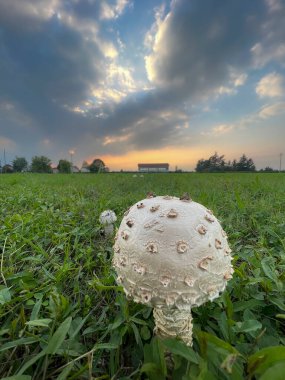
[107, 218]
[182, 264]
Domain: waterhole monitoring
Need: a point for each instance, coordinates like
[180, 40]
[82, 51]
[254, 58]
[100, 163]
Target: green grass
[62, 316]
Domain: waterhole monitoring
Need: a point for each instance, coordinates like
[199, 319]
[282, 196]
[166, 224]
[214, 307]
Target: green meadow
[62, 315]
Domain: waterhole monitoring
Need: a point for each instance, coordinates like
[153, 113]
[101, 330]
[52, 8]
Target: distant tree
[217, 163]
[234, 165]
[245, 164]
[20, 164]
[214, 163]
[97, 166]
[267, 169]
[41, 164]
[64, 166]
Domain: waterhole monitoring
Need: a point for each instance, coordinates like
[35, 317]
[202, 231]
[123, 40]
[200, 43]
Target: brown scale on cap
[227, 251]
[218, 244]
[185, 197]
[140, 205]
[152, 247]
[165, 280]
[182, 246]
[146, 295]
[140, 269]
[172, 214]
[154, 208]
[202, 229]
[130, 223]
[117, 249]
[150, 194]
[122, 261]
[203, 264]
[228, 276]
[125, 235]
[189, 281]
[120, 279]
[151, 224]
[209, 218]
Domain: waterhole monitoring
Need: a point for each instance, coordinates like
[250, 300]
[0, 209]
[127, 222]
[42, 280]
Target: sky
[132, 81]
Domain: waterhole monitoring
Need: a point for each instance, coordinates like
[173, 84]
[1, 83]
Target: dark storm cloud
[46, 68]
[149, 119]
[199, 42]
[84, 9]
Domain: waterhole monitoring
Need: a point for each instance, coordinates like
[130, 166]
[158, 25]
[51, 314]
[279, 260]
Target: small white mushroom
[176, 259]
[107, 218]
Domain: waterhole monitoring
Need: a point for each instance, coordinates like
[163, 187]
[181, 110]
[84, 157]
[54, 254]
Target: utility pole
[280, 164]
[71, 152]
[4, 157]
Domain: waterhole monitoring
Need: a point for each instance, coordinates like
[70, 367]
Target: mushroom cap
[107, 217]
[171, 252]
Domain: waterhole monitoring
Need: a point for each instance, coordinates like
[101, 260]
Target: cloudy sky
[142, 80]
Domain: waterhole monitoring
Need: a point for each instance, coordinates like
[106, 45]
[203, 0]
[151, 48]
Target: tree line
[42, 164]
[216, 163]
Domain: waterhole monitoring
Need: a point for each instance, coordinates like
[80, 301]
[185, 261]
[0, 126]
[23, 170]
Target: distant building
[74, 169]
[7, 169]
[84, 170]
[154, 168]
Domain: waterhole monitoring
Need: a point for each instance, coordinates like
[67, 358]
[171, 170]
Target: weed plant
[62, 316]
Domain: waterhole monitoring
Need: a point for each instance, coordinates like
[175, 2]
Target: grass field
[62, 316]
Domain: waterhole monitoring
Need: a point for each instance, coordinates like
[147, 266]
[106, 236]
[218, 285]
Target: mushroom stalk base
[109, 229]
[171, 323]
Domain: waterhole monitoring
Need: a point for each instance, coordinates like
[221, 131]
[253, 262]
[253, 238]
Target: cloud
[7, 144]
[247, 121]
[27, 9]
[270, 46]
[268, 111]
[196, 49]
[141, 126]
[274, 5]
[271, 85]
[239, 79]
[151, 35]
[222, 129]
[218, 130]
[113, 11]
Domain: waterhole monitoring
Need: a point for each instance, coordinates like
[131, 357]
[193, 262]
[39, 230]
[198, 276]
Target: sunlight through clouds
[270, 86]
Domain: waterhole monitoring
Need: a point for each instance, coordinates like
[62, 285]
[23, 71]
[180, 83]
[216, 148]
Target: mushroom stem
[171, 323]
[109, 229]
